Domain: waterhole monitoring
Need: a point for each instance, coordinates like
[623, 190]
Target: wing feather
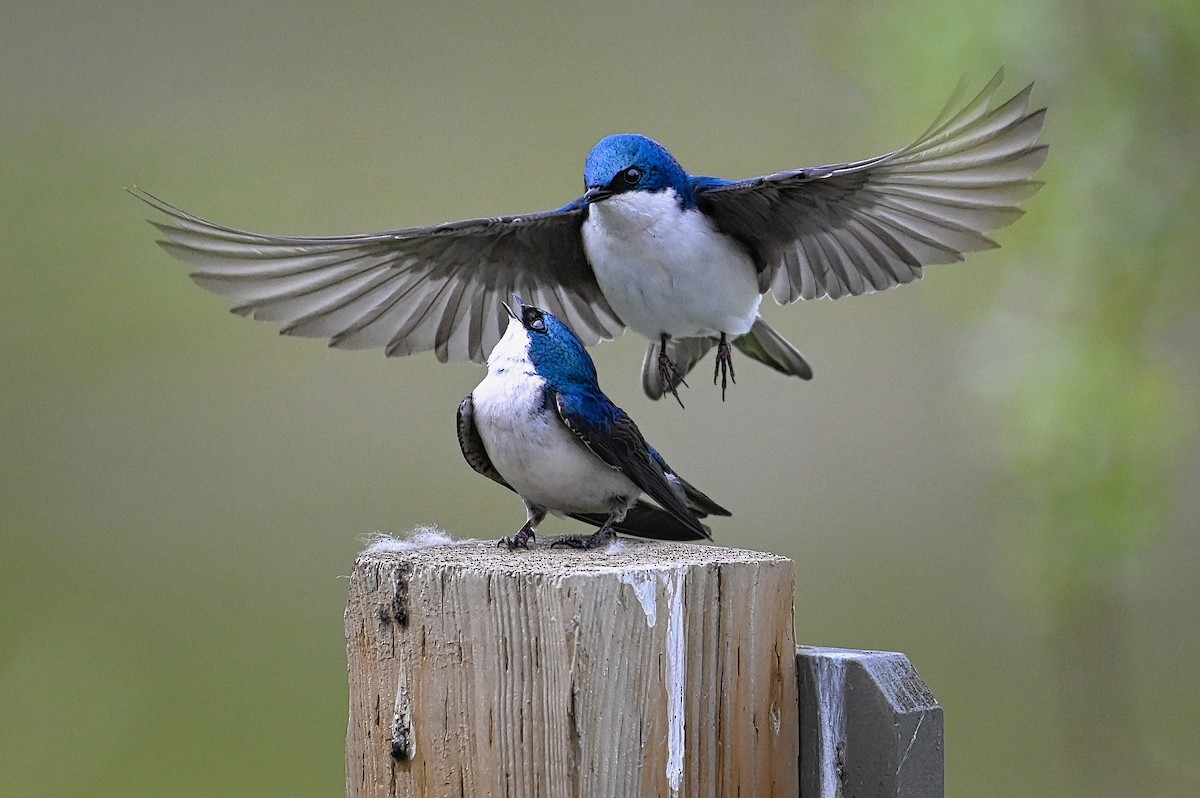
[471, 444]
[616, 440]
[863, 226]
[406, 291]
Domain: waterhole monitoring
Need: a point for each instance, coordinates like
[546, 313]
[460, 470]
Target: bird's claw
[724, 366]
[518, 541]
[669, 375]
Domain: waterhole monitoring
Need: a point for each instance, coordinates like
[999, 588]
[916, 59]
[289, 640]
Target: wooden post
[868, 726]
[655, 669]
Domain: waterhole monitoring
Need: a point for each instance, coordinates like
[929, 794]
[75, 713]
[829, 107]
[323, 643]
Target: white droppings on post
[404, 743]
[645, 587]
[831, 719]
[676, 674]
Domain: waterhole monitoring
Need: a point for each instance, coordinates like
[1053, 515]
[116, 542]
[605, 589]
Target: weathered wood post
[868, 726]
[652, 669]
[662, 669]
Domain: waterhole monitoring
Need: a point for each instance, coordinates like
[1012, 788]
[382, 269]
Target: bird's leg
[524, 534]
[668, 373]
[724, 364]
[601, 535]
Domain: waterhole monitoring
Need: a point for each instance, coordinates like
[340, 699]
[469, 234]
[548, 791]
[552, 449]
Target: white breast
[667, 270]
[529, 445]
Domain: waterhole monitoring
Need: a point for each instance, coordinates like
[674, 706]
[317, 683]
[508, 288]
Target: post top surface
[625, 555]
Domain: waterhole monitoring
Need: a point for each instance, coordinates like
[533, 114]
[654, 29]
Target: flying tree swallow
[683, 260]
[540, 426]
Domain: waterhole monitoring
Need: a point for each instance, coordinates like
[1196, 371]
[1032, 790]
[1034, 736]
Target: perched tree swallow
[540, 426]
[683, 260]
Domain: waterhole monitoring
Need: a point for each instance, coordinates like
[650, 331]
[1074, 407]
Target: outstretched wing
[854, 228]
[617, 441]
[406, 291]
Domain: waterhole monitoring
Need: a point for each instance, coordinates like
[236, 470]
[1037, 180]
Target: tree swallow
[683, 260]
[540, 426]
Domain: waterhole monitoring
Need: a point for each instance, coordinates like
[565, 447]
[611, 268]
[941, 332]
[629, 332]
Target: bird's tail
[644, 520]
[761, 343]
[767, 346]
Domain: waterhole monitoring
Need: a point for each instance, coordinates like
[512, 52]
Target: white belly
[538, 455]
[665, 270]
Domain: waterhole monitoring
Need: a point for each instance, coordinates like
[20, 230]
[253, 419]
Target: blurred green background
[994, 471]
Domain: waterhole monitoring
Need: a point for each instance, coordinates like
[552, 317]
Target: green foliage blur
[994, 470]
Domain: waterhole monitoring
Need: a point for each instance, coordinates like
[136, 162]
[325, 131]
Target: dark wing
[854, 228]
[472, 445]
[406, 291]
[699, 502]
[618, 442]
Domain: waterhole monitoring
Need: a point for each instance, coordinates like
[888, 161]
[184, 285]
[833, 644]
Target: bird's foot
[668, 373]
[518, 541]
[724, 365]
[595, 541]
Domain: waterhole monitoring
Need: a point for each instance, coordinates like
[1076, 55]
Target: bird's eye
[630, 177]
[534, 320]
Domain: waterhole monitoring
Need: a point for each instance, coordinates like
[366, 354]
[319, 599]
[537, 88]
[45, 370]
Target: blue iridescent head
[555, 352]
[630, 162]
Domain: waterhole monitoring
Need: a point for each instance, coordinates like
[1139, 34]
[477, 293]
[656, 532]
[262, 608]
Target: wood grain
[657, 670]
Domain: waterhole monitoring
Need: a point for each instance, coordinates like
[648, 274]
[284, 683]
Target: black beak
[597, 194]
[520, 307]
